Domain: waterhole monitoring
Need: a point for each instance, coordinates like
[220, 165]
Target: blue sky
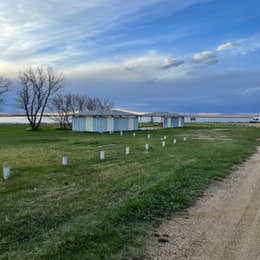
[150, 55]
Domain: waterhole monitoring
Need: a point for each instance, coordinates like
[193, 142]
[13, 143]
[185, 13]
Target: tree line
[41, 89]
[4, 84]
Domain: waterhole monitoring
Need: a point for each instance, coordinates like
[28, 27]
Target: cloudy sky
[159, 55]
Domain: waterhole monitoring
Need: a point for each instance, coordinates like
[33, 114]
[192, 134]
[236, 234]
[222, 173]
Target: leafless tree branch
[68, 104]
[37, 86]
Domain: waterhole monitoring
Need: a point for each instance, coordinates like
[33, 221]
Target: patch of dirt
[224, 224]
[212, 138]
[209, 135]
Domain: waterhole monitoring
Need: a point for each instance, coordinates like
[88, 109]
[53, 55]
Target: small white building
[104, 121]
[167, 119]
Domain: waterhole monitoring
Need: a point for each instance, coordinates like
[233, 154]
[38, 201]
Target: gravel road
[224, 224]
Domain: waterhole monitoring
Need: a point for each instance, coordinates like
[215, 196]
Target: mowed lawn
[96, 209]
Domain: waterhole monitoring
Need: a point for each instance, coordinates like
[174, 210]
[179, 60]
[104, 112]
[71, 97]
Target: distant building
[104, 121]
[116, 120]
[168, 120]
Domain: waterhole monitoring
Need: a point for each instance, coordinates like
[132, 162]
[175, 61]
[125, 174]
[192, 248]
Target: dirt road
[224, 224]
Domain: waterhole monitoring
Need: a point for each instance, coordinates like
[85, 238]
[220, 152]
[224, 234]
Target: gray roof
[161, 114]
[105, 113]
[158, 114]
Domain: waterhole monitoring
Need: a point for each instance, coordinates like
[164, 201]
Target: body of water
[23, 120]
[220, 120]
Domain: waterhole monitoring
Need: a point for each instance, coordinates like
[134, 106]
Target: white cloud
[228, 45]
[152, 61]
[170, 63]
[151, 66]
[206, 57]
[250, 44]
[35, 29]
[241, 46]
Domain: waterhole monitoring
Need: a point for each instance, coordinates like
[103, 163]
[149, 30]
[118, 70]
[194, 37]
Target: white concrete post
[127, 150]
[64, 160]
[148, 136]
[6, 172]
[174, 141]
[102, 155]
[133, 134]
[163, 143]
[121, 133]
[165, 137]
[146, 147]
[184, 139]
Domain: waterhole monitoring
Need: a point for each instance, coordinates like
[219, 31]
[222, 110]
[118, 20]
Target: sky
[150, 55]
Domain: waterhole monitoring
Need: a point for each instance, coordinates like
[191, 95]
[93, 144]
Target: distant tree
[67, 104]
[4, 84]
[98, 104]
[37, 86]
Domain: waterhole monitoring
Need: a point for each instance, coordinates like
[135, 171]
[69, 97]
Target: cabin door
[110, 124]
[130, 123]
[169, 122]
[89, 124]
[180, 122]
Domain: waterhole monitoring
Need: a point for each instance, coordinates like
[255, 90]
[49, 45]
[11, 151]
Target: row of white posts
[65, 160]
[127, 149]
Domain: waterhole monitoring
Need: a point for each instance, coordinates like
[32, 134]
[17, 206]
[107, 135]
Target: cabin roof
[105, 113]
[161, 114]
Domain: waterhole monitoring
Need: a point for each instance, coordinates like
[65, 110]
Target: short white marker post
[146, 147]
[165, 137]
[64, 160]
[148, 136]
[102, 155]
[121, 133]
[6, 172]
[133, 134]
[163, 143]
[127, 150]
[174, 141]
[184, 139]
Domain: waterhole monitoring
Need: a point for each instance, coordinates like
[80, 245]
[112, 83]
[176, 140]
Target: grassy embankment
[93, 209]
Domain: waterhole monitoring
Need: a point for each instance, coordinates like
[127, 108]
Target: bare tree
[66, 105]
[98, 104]
[4, 84]
[37, 86]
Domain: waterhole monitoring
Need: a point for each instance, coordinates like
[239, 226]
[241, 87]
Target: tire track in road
[223, 225]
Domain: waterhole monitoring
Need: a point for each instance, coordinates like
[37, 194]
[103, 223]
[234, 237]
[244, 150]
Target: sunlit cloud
[228, 45]
[206, 57]
[171, 63]
[38, 30]
[151, 66]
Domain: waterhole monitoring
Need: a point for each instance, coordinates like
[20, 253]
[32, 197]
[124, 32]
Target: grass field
[103, 210]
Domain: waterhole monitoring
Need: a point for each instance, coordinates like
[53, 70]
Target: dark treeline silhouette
[40, 89]
[67, 104]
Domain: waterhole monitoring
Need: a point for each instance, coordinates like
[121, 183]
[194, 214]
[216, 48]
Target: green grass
[98, 210]
[150, 124]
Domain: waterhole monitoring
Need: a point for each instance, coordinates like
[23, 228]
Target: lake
[23, 120]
